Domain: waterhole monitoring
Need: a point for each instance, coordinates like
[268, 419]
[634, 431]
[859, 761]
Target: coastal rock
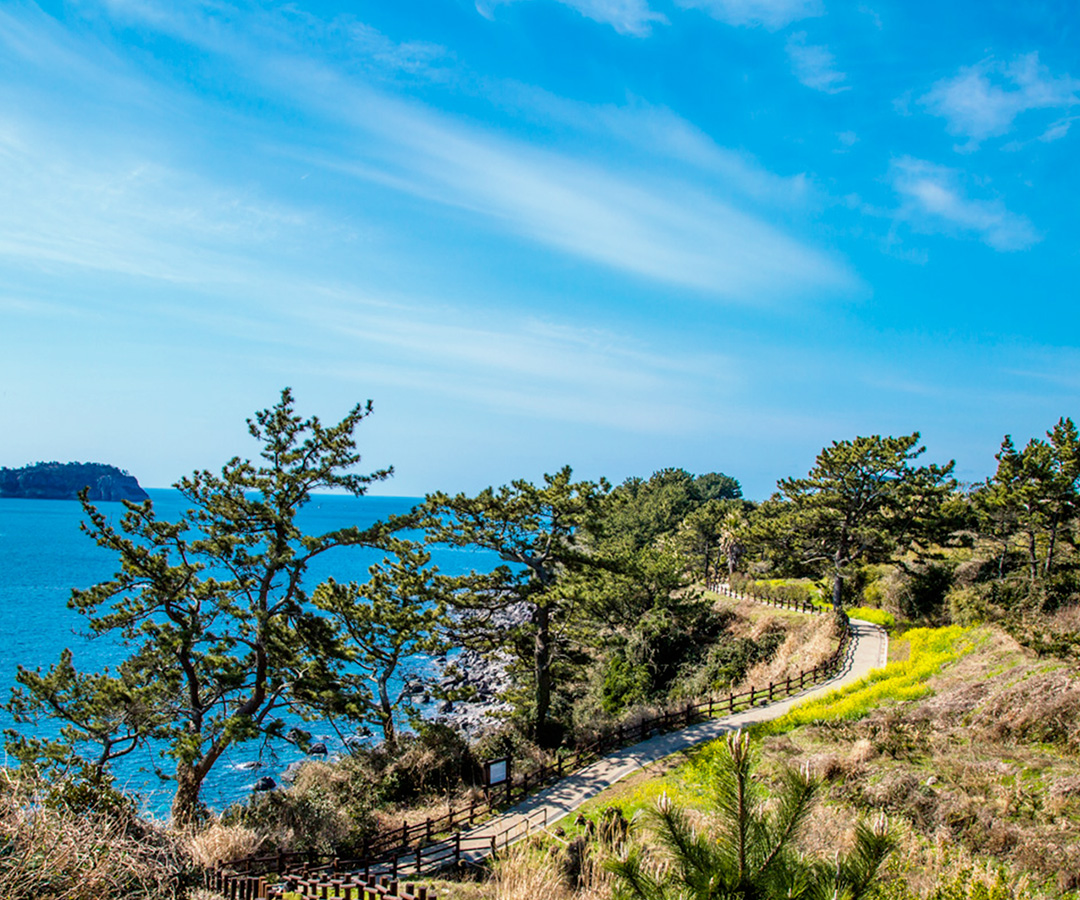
[475, 682]
[291, 771]
[249, 764]
[317, 749]
[266, 783]
[297, 736]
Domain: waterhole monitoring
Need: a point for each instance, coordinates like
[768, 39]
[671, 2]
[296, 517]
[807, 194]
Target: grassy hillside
[967, 744]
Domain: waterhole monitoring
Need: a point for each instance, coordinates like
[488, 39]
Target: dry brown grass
[221, 844]
[983, 773]
[536, 870]
[1043, 708]
[57, 854]
[808, 642]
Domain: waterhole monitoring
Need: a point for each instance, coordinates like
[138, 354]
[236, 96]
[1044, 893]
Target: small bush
[220, 844]
[328, 809]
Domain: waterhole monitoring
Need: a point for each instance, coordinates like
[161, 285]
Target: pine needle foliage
[750, 854]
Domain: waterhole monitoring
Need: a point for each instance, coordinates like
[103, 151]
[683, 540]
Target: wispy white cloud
[933, 200]
[814, 65]
[633, 17]
[984, 100]
[770, 14]
[533, 367]
[640, 221]
[657, 132]
[202, 254]
[636, 223]
[130, 215]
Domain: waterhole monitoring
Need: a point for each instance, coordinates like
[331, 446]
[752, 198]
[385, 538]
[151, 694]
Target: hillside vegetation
[962, 751]
[966, 746]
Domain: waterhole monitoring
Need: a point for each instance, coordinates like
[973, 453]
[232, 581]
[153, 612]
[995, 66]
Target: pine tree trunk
[185, 805]
[386, 713]
[1050, 548]
[542, 669]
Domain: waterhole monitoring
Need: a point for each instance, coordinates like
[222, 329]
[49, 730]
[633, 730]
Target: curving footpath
[868, 650]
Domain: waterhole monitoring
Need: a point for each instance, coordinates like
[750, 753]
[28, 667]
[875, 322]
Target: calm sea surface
[43, 555]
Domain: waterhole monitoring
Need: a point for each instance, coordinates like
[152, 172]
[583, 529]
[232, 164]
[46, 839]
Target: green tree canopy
[213, 608]
[862, 502]
[1035, 493]
[399, 611]
[716, 528]
[538, 530]
[717, 486]
[639, 511]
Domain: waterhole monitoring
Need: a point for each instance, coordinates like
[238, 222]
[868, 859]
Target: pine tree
[750, 854]
[212, 609]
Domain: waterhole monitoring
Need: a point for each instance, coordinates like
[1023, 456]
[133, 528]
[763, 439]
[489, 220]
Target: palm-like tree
[750, 855]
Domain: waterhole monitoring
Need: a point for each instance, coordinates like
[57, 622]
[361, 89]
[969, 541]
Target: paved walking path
[867, 650]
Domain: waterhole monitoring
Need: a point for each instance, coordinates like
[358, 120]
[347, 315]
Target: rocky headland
[63, 481]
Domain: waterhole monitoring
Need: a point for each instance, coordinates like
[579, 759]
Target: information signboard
[498, 771]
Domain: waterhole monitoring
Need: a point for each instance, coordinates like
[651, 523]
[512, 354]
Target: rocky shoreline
[472, 684]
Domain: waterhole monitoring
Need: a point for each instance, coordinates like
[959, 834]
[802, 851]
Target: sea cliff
[63, 481]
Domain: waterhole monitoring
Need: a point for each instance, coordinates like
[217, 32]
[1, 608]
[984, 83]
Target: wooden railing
[234, 886]
[763, 595]
[434, 843]
[375, 879]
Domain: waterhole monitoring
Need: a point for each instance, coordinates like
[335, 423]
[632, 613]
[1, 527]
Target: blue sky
[620, 234]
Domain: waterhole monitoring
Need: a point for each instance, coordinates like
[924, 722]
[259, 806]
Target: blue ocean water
[43, 555]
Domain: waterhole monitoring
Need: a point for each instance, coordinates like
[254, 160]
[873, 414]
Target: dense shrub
[328, 808]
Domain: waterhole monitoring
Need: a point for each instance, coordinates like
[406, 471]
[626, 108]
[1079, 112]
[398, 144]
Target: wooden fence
[437, 842]
[764, 595]
[234, 886]
[375, 879]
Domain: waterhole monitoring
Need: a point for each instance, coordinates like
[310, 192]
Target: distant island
[63, 481]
